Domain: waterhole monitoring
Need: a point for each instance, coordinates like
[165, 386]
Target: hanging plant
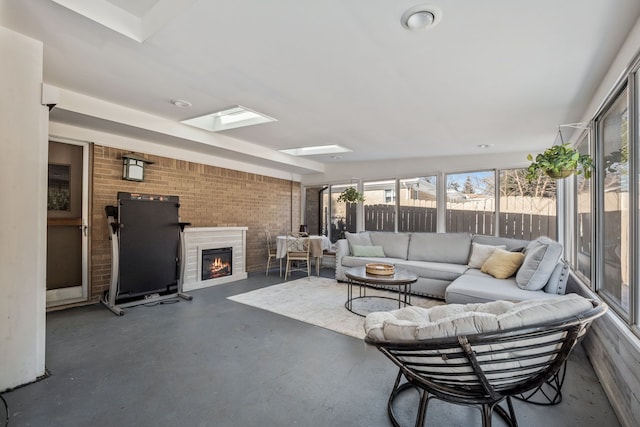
[351, 195]
[560, 161]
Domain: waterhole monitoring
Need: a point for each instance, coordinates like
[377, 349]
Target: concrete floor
[215, 362]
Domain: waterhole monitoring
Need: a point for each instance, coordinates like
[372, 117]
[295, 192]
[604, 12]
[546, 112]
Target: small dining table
[317, 244]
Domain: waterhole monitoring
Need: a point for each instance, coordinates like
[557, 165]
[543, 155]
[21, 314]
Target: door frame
[70, 295]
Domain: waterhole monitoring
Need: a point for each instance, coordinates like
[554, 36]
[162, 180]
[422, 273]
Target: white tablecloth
[318, 244]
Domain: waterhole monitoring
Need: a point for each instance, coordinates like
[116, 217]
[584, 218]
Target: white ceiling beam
[107, 14]
[71, 132]
[93, 107]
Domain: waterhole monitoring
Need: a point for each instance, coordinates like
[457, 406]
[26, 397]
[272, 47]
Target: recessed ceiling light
[421, 17]
[181, 103]
[318, 149]
[230, 118]
[483, 146]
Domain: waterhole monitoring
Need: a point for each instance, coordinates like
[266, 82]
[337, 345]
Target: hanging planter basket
[559, 161]
[563, 173]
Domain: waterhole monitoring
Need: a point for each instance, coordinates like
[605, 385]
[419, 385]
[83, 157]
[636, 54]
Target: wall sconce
[133, 167]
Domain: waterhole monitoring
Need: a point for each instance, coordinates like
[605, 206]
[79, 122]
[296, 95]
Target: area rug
[320, 301]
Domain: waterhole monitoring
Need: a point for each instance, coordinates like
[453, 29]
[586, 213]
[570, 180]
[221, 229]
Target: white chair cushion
[416, 323]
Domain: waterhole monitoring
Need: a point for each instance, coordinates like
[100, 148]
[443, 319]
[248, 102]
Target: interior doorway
[67, 223]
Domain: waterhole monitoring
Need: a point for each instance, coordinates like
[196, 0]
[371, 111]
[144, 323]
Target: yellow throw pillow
[502, 264]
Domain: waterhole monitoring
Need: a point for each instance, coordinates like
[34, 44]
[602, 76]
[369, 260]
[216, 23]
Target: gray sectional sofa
[449, 265]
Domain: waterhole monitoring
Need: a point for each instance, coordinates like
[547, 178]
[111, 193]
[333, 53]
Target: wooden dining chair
[330, 253]
[297, 254]
[272, 252]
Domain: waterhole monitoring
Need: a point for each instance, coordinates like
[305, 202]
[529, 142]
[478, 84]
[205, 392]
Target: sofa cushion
[480, 253]
[451, 248]
[370, 251]
[477, 272]
[513, 245]
[471, 287]
[433, 270]
[359, 239]
[541, 257]
[394, 244]
[502, 263]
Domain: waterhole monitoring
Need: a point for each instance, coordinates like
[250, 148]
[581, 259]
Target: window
[417, 204]
[603, 218]
[613, 136]
[471, 202]
[343, 215]
[527, 209]
[584, 216]
[324, 211]
[380, 205]
[389, 196]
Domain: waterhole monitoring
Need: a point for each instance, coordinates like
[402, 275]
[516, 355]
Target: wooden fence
[518, 225]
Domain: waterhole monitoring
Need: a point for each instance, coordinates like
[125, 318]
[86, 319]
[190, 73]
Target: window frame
[584, 137]
[598, 127]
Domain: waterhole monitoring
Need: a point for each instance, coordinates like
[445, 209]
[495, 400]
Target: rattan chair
[484, 369]
[272, 252]
[298, 258]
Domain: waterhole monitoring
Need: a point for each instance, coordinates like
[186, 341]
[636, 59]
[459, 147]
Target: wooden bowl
[380, 269]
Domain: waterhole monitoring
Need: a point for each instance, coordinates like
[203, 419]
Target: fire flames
[219, 268]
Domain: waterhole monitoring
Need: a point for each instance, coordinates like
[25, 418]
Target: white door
[67, 226]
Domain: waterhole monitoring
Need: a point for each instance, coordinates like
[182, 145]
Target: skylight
[137, 20]
[230, 118]
[318, 149]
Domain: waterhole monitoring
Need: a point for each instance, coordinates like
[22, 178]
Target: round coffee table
[358, 276]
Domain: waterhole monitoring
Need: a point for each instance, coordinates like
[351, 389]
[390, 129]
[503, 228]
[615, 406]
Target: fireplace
[198, 240]
[216, 263]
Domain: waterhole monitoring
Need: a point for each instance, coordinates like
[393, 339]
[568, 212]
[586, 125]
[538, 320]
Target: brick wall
[209, 197]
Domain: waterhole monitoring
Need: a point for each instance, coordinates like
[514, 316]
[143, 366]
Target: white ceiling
[345, 72]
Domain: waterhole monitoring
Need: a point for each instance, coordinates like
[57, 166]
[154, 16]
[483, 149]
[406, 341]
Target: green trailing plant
[560, 161]
[351, 195]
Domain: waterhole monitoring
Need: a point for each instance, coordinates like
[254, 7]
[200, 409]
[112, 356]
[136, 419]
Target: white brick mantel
[197, 239]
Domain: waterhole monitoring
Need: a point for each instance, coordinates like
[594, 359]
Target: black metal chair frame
[483, 370]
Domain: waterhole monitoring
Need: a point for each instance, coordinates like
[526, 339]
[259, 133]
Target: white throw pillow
[481, 253]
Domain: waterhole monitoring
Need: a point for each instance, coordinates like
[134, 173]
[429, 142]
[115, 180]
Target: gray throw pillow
[540, 259]
[557, 283]
[358, 239]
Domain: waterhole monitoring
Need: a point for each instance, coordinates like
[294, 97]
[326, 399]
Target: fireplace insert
[217, 262]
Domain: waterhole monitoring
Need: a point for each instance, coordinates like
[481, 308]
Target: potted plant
[560, 161]
[351, 195]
